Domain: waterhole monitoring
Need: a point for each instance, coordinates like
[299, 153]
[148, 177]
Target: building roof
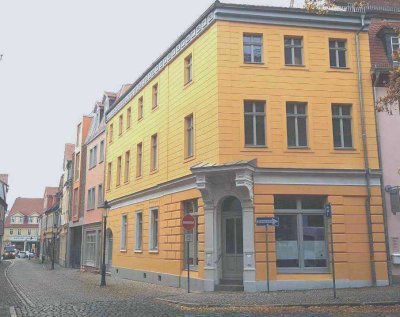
[382, 3]
[339, 19]
[69, 151]
[379, 57]
[51, 191]
[26, 207]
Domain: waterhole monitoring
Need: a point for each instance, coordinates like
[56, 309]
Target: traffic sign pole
[267, 256]
[188, 266]
[188, 223]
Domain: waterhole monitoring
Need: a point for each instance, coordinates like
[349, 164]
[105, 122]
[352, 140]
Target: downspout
[383, 193]
[365, 150]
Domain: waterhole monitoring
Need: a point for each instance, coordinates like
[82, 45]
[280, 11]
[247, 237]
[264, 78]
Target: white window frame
[123, 238]
[189, 136]
[296, 116]
[292, 47]
[253, 45]
[101, 159]
[139, 230]
[392, 44]
[154, 230]
[299, 212]
[337, 49]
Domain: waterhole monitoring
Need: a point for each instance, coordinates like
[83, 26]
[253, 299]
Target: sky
[58, 59]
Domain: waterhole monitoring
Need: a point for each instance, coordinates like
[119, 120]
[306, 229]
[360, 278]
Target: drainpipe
[365, 150]
[383, 193]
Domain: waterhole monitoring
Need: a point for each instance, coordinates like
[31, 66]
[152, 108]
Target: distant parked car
[22, 254]
[9, 253]
[29, 254]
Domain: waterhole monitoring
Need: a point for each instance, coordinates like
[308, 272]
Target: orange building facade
[253, 112]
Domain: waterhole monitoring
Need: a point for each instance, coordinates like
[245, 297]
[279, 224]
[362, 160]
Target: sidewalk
[7, 295]
[388, 295]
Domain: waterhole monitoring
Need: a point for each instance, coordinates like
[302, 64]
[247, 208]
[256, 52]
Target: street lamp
[55, 222]
[105, 208]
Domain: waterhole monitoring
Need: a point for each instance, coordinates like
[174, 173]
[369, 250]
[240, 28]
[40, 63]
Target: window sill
[322, 270]
[138, 251]
[139, 177]
[298, 150]
[154, 108]
[188, 84]
[345, 151]
[252, 65]
[256, 149]
[298, 67]
[154, 171]
[153, 251]
[340, 70]
[140, 119]
[122, 251]
[189, 159]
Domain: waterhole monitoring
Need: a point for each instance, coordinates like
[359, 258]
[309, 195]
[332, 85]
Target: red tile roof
[377, 48]
[51, 191]
[26, 207]
[384, 3]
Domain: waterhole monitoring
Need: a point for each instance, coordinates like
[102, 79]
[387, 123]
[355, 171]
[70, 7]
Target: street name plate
[267, 221]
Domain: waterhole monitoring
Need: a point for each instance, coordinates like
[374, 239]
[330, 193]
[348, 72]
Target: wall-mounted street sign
[267, 221]
[188, 222]
[328, 210]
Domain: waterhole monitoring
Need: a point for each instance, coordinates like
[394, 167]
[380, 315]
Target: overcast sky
[59, 57]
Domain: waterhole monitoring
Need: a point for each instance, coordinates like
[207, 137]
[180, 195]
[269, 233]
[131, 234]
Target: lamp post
[55, 222]
[106, 207]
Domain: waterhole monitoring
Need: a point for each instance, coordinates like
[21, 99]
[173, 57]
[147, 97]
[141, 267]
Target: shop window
[301, 243]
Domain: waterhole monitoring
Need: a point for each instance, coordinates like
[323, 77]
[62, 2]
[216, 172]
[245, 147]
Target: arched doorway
[232, 239]
[109, 245]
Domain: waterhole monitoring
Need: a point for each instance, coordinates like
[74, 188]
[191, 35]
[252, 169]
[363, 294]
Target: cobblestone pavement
[65, 292]
[7, 295]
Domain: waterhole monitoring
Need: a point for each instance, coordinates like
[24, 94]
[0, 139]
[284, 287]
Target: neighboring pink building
[384, 41]
[94, 185]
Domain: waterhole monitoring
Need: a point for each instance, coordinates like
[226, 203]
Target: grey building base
[159, 278]
[201, 285]
[304, 285]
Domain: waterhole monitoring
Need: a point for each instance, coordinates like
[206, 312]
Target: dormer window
[395, 43]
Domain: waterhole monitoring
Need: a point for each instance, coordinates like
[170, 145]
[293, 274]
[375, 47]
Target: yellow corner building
[253, 112]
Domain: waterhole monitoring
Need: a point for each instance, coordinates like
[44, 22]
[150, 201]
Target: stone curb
[352, 304]
[24, 299]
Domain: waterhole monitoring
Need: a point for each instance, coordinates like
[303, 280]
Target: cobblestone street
[38, 291]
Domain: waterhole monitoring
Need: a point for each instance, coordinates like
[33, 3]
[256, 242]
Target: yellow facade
[221, 83]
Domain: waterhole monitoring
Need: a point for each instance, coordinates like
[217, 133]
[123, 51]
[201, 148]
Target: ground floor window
[301, 243]
[190, 208]
[90, 248]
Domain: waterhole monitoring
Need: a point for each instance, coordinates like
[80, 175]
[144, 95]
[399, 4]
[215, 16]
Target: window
[190, 208]
[100, 195]
[154, 229]
[341, 123]
[252, 48]
[11, 232]
[293, 50]
[91, 198]
[128, 118]
[101, 159]
[301, 235]
[12, 219]
[119, 167]
[337, 53]
[19, 232]
[154, 150]
[139, 231]
[76, 202]
[95, 156]
[77, 164]
[124, 220]
[90, 249]
[254, 123]
[78, 134]
[140, 108]
[110, 133]
[29, 232]
[121, 124]
[155, 96]
[90, 158]
[30, 219]
[395, 42]
[109, 174]
[189, 136]
[296, 120]
[188, 69]
[127, 166]
[139, 159]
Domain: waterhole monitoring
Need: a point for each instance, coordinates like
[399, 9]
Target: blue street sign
[328, 210]
[267, 221]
